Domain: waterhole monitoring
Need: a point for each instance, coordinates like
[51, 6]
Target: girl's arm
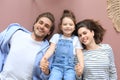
[50, 51]
[44, 61]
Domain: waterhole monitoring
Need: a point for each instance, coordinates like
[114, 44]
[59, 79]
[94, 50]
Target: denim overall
[63, 64]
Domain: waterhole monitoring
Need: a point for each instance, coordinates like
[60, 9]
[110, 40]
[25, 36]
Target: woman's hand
[44, 66]
[79, 69]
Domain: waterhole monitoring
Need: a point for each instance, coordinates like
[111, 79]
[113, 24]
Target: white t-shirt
[20, 60]
[76, 42]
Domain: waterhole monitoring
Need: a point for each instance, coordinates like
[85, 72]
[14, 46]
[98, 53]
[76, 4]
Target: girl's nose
[42, 26]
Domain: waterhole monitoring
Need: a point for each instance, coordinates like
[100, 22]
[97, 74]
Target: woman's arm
[80, 65]
[112, 69]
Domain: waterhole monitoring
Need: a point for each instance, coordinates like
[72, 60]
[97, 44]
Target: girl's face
[86, 36]
[67, 26]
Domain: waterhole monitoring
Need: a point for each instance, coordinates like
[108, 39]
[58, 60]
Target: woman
[98, 58]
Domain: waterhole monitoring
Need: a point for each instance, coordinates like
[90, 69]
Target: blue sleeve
[5, 37]
[43, 76]
[4, 41]
[37, 73]
[2, 34]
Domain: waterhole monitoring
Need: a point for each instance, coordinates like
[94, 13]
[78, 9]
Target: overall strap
[72, 37]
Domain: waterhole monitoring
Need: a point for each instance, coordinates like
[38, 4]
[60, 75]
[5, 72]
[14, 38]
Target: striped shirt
[99, 64]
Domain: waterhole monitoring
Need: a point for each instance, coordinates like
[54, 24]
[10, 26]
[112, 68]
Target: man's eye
[47, 26]
[79, 35]
[40, 22]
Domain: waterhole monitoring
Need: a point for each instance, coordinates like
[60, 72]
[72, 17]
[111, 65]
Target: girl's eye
[71, 24]
[64, 24]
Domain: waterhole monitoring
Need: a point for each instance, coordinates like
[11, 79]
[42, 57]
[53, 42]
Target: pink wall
[25, 12]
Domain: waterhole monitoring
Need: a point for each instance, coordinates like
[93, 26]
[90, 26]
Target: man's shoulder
[16, 26]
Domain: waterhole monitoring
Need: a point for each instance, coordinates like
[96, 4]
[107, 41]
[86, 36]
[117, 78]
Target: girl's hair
[52, 19]
[69, 14]
[92, 25]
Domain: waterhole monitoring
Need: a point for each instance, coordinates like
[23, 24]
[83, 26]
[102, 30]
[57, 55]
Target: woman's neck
[92, 46]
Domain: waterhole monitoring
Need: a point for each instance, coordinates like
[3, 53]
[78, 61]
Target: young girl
[65, 46]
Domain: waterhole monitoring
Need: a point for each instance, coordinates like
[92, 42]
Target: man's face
[42, 28]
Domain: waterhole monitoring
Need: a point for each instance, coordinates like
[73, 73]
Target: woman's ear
[93, 32]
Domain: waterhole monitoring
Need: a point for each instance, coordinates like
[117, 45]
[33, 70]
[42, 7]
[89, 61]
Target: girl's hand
[79, 69]
[44, 66]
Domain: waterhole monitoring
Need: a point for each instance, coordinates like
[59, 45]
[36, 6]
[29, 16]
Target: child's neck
[67, 35]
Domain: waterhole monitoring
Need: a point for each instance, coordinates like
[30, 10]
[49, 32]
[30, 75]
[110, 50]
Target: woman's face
[85, 36]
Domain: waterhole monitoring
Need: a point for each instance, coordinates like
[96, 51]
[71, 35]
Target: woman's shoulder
[105, 46]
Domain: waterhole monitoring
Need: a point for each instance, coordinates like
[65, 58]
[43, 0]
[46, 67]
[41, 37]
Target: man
[22, 50]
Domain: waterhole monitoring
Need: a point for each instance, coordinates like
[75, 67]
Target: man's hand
[44, 66]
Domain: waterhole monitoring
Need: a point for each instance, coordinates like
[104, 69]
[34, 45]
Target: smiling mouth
[84, 41]
[39, 30]
[67, 29]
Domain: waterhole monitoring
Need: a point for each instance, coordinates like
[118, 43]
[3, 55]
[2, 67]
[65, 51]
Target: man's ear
[49, 33]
